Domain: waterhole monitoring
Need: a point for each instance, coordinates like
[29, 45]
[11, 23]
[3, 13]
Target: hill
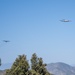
[3, 67]
[2, 72]
[61, 69]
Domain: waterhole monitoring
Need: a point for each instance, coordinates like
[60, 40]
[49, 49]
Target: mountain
[2, 72]
[60, 68]
[3, 67]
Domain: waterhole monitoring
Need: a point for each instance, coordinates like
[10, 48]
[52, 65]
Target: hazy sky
[33, 26]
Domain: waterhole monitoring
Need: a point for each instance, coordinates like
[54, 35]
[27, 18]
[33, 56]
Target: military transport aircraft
[65, 20]
[6, 41]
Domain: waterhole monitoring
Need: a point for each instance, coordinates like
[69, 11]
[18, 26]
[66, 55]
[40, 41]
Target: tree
[19, 67]
[38, 66]
[34, 62]
[0, 61]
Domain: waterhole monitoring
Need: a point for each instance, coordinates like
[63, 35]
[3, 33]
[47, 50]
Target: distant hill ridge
[2, 72]
[60, 68]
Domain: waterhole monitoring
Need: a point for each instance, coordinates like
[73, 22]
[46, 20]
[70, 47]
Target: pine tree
[34, 62]
[38, 66]
[19, 67]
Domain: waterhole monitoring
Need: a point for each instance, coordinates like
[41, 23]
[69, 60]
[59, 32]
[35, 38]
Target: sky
[34, 26]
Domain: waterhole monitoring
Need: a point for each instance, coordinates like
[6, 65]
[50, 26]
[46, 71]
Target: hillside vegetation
[22, 67]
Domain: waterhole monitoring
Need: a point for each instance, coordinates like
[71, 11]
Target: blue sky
[33, 26]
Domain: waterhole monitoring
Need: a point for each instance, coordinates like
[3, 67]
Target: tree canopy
[22, 67]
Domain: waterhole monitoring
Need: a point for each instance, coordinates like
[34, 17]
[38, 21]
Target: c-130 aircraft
[65, 20]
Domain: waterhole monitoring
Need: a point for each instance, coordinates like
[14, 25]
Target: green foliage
[21, 66]
[38, 66]
[34, 62]
[0, 61]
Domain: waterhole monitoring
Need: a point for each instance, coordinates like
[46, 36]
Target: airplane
[64, 20]
[6, 41]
